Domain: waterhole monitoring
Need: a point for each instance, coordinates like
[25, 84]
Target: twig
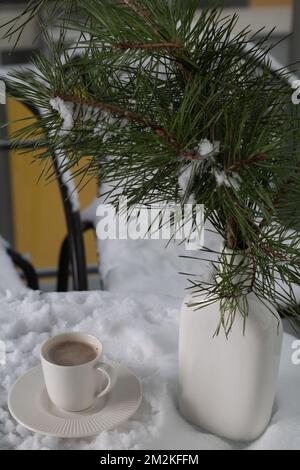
[268, 249]
[140, 11]
[243, 163]
[122, 112]
[182, 67]
[278, 196]
[231, 233]
[132, 116]
[282, 192]
[148, 45]
[191, 155]
[254, 269]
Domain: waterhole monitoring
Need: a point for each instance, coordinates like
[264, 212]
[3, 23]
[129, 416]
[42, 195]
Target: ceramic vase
[227, 384]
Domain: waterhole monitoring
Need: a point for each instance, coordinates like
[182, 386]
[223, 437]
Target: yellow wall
[37, 208]
[270, 2]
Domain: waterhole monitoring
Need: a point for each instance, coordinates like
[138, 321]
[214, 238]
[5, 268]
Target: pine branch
[190, 155]
[192, 81]
[183, 66]
[254, 272]
[140, 11]
[276, 200]
[148, 46]
[245, 163]
[282, 192]
[125, 113]
[231, 233]
[275, 253]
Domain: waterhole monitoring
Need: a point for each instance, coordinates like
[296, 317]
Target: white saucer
[30, 405]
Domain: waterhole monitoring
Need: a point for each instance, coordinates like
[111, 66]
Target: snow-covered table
[142, 332]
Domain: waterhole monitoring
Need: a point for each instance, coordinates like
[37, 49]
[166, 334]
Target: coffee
[71, 353]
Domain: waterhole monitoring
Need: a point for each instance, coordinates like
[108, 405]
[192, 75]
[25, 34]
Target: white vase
[227, 385]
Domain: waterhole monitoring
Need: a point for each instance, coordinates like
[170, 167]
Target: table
[141, 331]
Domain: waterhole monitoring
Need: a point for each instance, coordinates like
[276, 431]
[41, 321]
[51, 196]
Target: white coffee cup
[76, 387]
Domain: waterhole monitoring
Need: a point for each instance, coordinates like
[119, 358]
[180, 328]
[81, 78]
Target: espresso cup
[73, 383]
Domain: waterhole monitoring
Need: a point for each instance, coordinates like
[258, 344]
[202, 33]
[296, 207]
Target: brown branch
[182, 66]
[253, 277]
[125, 113]
[190, 155]
[244, 163]
[148, 45]
[278, 196]
[140, 11]
[282, 192]
[231, 233]
[274, 253]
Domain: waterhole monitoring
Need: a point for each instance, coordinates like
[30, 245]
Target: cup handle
[111, 375]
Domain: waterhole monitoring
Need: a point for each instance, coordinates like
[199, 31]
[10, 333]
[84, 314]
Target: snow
[186, 177]
[150, 266]
[89, 212]
[154, 266]
[10, 282]
[207, 148]
[68, 180]
[65, 110]
[205, 152]
[140, 331]
[232, 180]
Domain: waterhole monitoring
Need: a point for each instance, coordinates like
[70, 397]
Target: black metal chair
[28, 271]
[65, 259]
[72, 251]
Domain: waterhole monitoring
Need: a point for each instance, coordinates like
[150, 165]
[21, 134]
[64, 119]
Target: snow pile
[150, 266]
[154, 266]
[9, 278]
[141, 332]
[131, 333]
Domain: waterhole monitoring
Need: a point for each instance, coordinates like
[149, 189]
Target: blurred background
[31, 211]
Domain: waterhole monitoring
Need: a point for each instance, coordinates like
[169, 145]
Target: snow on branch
[65, 110]
[203, 156]
[231, 181]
